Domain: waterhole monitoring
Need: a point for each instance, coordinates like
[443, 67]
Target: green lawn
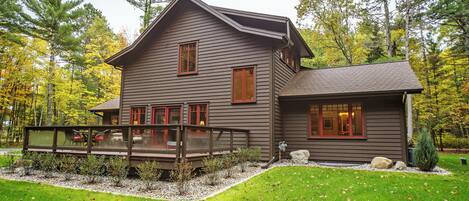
[311, 183]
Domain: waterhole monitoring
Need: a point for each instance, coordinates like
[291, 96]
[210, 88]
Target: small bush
[149, 172]
[10, 163]
[211, 166]
[68, 165]
[243, 155]
[255, 156]
[48, 164]
[426, 156]
[451, 141]
[35, 159]
[182, 174]
[92, 167]
[26, 166]
[118, 169]
[228, 161]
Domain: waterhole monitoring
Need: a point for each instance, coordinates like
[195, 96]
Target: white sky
[122, 16]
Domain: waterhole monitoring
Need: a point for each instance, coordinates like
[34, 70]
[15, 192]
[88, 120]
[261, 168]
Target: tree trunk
[50, 89]
[387, 28]
[407, 29]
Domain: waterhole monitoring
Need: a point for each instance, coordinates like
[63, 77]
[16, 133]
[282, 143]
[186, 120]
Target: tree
[52, 21]
[426, 156]
[149, 10]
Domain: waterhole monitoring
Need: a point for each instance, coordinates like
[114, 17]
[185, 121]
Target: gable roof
[395, 77]
[109, 105]
[220, 13]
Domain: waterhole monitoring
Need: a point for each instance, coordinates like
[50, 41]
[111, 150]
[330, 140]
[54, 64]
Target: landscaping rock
[300, 156]
[381, 163]
[400, 165]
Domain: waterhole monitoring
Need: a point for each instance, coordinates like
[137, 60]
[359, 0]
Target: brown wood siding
[282, 75]
[384, 129]
[152, 77]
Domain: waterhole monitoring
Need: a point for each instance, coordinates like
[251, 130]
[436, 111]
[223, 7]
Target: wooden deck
[195, 143]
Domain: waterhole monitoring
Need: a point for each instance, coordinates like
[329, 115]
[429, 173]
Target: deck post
[178, 143]
[247, 138]
[210, 143]
[54, 142]
[231, 141]
[184, 142]
[90, 141]
[130, 143]
[25, 139]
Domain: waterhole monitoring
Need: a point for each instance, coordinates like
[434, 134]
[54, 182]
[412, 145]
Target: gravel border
[365, 167]
[198, 189]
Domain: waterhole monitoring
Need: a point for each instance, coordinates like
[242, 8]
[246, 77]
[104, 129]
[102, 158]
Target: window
[336, 121]
[187, 59]
[288, 56]
[137, 116]
[198, 115]
[164, 115]
[244, 85]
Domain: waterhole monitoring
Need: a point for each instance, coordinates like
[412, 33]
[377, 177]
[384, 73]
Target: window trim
[196, 71]
[132, 113]
[198, 113]
[166, 112]
[321, 120]
[254, 100]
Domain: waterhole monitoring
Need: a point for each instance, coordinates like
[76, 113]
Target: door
[165, 115]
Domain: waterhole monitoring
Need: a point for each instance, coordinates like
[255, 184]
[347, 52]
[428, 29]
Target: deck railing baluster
[184, 142]
[130, 139]
[54, 142]
[210, 143]
[90, 141]
[178, 143]
[25, 139]
[231, 141]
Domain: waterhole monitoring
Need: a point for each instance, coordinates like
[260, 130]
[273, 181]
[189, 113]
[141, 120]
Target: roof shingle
[371, 78]
[109, 105]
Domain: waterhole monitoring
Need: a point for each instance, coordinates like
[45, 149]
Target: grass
[312, 183]
[14, 190]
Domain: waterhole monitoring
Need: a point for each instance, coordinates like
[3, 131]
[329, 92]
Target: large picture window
[244, 85]
[187, 59]
[198, 114]
[336, 121]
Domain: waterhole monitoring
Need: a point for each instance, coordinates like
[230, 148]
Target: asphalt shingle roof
[109, 105]
[370, 78]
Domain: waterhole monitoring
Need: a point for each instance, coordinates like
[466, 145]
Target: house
[207, 66]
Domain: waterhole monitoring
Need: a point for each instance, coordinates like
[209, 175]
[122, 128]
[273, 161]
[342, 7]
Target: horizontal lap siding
[384, 131]
[283, 74]
[152, 77]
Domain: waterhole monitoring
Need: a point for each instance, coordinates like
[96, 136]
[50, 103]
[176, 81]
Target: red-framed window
[164, 115]
[198, 114]
[288, 57]
[137, 115]
[187, 58]
[336, 121]
[243, 85]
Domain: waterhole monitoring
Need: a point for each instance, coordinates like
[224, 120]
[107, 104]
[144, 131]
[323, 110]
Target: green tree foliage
[426, 156]
[149, 8]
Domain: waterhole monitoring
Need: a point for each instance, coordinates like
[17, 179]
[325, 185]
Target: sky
[122, 16]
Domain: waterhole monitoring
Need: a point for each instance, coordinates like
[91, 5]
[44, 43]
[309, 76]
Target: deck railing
[135, 140]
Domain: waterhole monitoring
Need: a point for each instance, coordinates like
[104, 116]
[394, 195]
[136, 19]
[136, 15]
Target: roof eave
[332, 95]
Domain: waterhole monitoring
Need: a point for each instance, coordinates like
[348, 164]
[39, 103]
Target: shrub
[211, 166]
[35, 159]
[451, 141]
[118, 169]
[26, 166]
[92, 167]
[255, 156]
[426, 156]
[149, 172]
[181, 174]
[48, 164]
[243, 156]
[68, 165]
[228, 161]
[10, 163]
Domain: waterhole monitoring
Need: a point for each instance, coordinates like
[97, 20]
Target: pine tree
[426, 156]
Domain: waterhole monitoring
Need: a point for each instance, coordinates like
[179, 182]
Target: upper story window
[187, 58]
[198, 114]
[243, 85]
[137, 115]
[288, 56]
[336, 121]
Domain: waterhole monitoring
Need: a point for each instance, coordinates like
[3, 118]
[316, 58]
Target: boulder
[300, 156]
[400, 165]
[381, 163]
